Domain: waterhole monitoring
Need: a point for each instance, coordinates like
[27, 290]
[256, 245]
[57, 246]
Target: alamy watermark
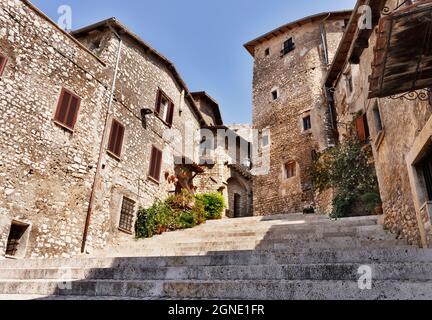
[65, 17]
[365, 279]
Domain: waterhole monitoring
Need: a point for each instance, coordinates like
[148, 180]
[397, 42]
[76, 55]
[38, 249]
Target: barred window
[127, 215]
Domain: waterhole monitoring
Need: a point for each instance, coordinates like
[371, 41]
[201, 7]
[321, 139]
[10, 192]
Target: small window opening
[288, 46]
[307, 123]
[16, 238]
[377, 118]
[290, 169]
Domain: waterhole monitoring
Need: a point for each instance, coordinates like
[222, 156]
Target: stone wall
[46, 172]
[141, 74]
[298, 77]
[402, 121]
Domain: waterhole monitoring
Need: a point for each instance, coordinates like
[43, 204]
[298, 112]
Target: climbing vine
[346, 169]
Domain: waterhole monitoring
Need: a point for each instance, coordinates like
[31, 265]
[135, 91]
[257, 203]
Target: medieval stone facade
[289, 104]
[91, 124]
[398, 130]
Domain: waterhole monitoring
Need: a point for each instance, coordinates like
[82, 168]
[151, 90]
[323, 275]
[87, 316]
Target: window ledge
[112, 155]
[63, 126]
[125, 231]
[153, 180]
[163, 121]
[379, 139]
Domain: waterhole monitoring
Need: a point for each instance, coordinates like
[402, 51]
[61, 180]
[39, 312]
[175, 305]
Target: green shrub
[181, 211]
[346, 169]
[213, 203]
[155, 220]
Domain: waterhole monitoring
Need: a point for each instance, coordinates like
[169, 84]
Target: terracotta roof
[205, 95]
[250, 46]
[122, 29]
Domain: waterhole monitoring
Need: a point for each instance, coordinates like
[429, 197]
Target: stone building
[380, 79]
[290, 108]
[92, 124]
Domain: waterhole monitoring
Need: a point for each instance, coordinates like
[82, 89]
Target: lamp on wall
[144, 113]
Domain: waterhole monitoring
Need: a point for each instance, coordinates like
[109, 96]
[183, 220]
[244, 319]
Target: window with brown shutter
[164, 108]
[115, 142]
[155, 164]
[362, 128]
[67, 109]
[3, 61]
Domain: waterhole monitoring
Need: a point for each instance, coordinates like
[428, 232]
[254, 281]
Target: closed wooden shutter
[362, 128]
[158, 102]
[115, 143]
[67, 109]
[3, 61]
[155, 163]
[170, 114]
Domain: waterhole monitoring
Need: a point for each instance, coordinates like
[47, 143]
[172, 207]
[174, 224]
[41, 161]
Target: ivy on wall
[346, 169]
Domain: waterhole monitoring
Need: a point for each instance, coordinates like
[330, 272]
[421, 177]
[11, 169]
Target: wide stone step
[332, 230]
[307, 225]
[375, 232]
[301, 256]
[183, 248]
[262, 290]
[310, 218]
[388, 271]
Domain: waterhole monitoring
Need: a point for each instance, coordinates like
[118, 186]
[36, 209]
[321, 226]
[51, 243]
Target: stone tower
[289, 102]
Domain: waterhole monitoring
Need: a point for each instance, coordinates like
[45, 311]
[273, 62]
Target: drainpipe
[331, 138]
[324, 40]
[102, 144]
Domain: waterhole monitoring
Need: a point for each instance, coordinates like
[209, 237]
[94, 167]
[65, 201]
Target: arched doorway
[239, 199]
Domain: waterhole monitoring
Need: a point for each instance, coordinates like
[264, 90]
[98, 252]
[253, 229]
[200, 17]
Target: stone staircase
[279, 257]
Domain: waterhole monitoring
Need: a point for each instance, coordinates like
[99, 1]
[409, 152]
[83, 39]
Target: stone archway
[239, 199]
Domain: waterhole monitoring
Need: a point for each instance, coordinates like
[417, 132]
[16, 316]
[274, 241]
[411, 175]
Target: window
[155, 164]
[267, 52]
[116, 138]
[288, 46]
[362, 128]
[16, 239]
[377, 118]
[275, 94]
[426, 168]
[3, 61]
[164, 108]
[67, 109]
[307, 123]
[127, 215]
[290, 169]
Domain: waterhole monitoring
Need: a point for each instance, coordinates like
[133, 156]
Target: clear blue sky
[204, 38]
